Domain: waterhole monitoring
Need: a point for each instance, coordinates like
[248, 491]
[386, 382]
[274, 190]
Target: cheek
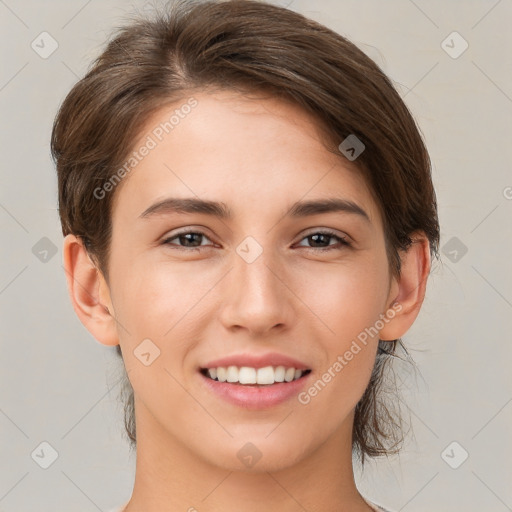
[157, 302]
[157, 298]
[347, 302]
[348, 306]
[346, 298]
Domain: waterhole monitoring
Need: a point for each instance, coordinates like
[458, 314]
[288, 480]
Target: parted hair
[248, 46]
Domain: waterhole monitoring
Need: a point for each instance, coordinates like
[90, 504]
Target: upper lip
[257, 361]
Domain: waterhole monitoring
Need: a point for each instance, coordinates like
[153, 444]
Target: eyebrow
[222, 211]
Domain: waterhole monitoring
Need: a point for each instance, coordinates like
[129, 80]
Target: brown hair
[247, 46]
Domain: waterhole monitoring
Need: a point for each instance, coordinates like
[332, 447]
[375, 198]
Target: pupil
[186, 237]
[319, 235]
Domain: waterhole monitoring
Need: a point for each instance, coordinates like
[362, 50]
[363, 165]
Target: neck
[170, 477]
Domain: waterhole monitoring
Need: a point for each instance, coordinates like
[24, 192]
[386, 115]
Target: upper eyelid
[185, 231]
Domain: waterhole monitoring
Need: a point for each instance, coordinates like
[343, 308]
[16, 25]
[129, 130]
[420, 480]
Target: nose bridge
[257, 299]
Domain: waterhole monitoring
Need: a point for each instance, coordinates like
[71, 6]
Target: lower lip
[254, 396]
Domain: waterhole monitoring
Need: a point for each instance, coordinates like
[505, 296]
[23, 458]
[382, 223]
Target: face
[270, 278]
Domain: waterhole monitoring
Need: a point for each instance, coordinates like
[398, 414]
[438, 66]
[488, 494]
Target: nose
[257, 297]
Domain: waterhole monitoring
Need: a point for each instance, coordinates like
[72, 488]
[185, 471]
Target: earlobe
[89, 292]
[409, 290]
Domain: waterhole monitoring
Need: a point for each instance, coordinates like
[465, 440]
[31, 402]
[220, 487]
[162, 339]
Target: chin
[257, 454]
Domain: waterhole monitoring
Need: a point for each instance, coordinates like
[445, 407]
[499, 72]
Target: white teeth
[279, 374]
[289, 375]
[247, 375]
[265, 375]
[232, 374]
[221, 374]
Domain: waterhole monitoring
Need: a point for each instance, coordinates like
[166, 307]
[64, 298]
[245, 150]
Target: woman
[249, 219]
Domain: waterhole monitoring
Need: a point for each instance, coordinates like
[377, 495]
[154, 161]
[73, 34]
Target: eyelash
[341, 240]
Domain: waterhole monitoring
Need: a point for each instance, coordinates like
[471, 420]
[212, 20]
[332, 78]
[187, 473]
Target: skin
[258, 156]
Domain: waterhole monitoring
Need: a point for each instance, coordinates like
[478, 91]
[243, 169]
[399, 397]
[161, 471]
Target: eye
[192, 240]
[319, 237]
[189, 238]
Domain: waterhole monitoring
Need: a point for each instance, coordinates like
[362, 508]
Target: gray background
[59, 385]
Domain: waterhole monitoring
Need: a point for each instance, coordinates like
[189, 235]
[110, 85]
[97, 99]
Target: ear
[409, 289]
[89, 292]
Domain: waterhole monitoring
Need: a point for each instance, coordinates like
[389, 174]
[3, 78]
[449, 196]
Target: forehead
[249, 152]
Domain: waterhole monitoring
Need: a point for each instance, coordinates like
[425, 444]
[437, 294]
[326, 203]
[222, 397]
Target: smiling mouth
[275, 377]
